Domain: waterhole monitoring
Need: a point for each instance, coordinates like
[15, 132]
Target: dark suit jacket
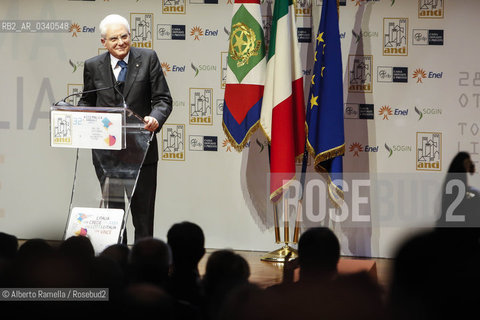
[146, 91]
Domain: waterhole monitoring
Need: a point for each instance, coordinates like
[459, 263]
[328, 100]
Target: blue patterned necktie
[123, 72]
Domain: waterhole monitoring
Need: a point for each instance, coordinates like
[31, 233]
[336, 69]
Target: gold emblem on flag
[243, 44]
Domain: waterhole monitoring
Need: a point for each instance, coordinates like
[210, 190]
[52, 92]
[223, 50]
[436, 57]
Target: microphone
[64, 103]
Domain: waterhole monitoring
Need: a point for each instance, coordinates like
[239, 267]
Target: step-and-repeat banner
[411, 92]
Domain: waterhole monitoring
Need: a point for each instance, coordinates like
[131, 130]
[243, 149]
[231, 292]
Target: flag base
[280, 254]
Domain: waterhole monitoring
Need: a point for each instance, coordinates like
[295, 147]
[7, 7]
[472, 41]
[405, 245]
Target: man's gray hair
[112, 19]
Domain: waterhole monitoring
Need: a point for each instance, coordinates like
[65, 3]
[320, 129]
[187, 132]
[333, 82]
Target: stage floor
[266, 274]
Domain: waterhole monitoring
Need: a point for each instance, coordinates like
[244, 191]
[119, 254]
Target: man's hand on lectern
[151, 124]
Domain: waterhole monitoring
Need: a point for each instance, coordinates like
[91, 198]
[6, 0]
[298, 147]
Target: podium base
[280, 254]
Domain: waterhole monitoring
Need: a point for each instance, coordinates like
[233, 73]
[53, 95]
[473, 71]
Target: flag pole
[286, 224]
[276, 224]
[296, 233]
[280, 254]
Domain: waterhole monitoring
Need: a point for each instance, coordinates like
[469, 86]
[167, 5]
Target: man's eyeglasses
[124, 38]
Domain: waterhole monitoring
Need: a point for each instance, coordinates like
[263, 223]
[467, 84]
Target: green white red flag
[283, 110]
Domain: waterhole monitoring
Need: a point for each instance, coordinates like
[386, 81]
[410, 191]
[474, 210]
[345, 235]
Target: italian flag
[283, 110]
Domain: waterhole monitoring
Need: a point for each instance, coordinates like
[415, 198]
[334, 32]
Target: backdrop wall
[411, 85]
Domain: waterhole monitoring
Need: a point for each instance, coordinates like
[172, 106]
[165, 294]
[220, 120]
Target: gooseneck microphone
[64, 103]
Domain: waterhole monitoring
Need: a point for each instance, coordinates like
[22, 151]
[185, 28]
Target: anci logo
[387, 111]
[173, 142]
[197, 32]
[223, 71]
[395, 36]
[391, 150]
[62, 129]
[429, 151]
[141, 28]
[201, 104]
[303, 8]
[431, 9]
[360, 73]
[427, 112]
[421, 74]
[170, 31]
[174, 6]
[74, 90]
[75, 29]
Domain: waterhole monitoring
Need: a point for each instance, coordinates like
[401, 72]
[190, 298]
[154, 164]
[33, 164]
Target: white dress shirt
[115, 67]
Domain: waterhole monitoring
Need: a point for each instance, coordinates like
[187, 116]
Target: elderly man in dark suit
[146, 92]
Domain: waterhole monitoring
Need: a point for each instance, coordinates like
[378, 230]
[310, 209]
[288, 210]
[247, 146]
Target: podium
[111, 145]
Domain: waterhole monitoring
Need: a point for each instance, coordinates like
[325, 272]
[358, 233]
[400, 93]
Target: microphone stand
[64, 103]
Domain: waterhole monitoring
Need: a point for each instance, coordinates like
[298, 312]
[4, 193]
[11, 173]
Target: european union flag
[325, 139]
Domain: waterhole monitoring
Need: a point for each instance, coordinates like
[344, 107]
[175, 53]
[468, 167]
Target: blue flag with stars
[324, 119]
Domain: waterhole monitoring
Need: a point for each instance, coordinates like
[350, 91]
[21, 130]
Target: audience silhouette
[436, 270]
[320, 291]
[159, 277]
[150, 261]
[187, 242]
[435, 275]
[225, 271]
[433, 272]
[460, 205]
[318, 254]
[119, 254]
[8, 246]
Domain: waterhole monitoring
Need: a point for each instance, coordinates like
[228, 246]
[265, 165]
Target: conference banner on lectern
[72, 128]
